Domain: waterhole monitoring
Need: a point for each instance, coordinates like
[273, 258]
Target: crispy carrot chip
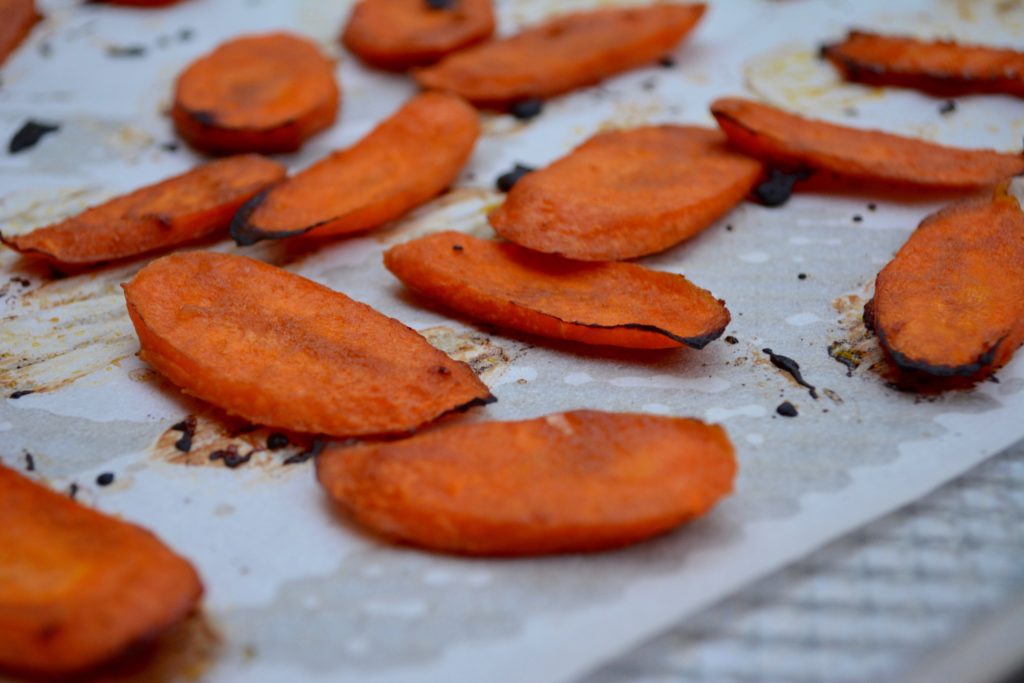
[578, 481]
[19, 16]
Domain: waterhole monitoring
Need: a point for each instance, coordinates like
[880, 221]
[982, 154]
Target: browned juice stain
[487, 359]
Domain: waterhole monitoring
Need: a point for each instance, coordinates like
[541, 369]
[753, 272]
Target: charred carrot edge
[19, 16]
[536, 293]
[83, 586]
[580, 481]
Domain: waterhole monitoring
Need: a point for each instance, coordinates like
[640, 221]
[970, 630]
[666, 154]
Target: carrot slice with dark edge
[19, 16]
[283, 351]
[939, 67]
[399, 34]
[570, 482]
[408, 159]
[78, 586]
[951, 303]
[189, 207]
[616, 304]
[262, 93]
[564, 53]
[627, 193]
[793, 142]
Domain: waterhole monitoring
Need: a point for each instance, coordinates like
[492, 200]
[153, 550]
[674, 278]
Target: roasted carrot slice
[282, 351]
[78, 587]
[793, 142]
[570, 482]
[941, 67]
[262, 93]
[405, 161]
[627, 193]
[567, 52]
[616, 304]
[400, 34]
[192, 206]
[951, 303]
[19, 16]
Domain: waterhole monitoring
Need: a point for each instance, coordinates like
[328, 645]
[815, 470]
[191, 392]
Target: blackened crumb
[22, 392]
[790, 366]
[776, 190]
[45, 50]
[648, 84]
[527, 109]
[29, 134]
[948, 107]
[508, 180]
[73, 490]
[277, 441]
[851, 111]
[857, 218]
[872, 206]
[313, 451]
[823, 50]
[786, 409]
[729, 227]
[20, 281]
[185, 35]
[105, 479]
[457, 247]
[187, 427]
[231, 457]
[126, 51]
[801, 276]
[30, 462]
[666, 62]
[731, 340]
[170, 146]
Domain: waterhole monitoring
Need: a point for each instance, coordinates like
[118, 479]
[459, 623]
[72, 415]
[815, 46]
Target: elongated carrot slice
[567, 52]
[951, 303]
[283, 351]
[261, 93]
[627, 193]
[941, 67]
[76, 586]
[400, 34]
[616, 304]
[570, 482]
[192, 206]
[405, 161]
[19, 16]
[790, 141]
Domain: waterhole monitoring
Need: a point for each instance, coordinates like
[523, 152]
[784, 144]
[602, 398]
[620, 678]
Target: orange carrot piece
[283, 351]
[263, 93]
[79, 587]
[793, 142]
[186, 208]
[570, 482]
[407, 160]
[562, 54]
[627, 193]
[951, 303]
[615, 304]
[940, 67]
[400, 34]
[19, 16]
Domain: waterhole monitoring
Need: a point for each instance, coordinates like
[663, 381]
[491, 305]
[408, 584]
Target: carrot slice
[627, 193]
[408, 159]
[567, 52]
[192, 206]
[19, 16]
[570, 482]
[400, 34]
[941, 67]
[263, 93]
[78, 587]
[616, 304]
[951, 303]
[282, 351]
[790, 141]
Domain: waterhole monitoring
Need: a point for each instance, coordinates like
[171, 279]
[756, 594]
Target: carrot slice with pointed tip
[407, 160]
[570, 482]
[951, 303]
[79, 587]
[562, 54]
[189, 207]
[261, 93]
[791, 141]
[940, 67]
[19, 16]
[616, 304]
[283, 351]
[400, 34]
[627, 193]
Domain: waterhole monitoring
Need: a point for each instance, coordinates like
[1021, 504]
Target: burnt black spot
[777, 188]
[857, 218]
[231, 457]
[30, 462]
[667, 62]
[187, 427]
[872, 206]
[948, 107]
[29, 134]
[442, 370]
[790, 366]
[185, 35]
[508, 180]
[73, 491]
[105, 479]
[729, 227]
[786, 409]
[206, 118]
[457, 248]
[525, 110]
[315, 449]
[126, 51]
[731, 340]
[277, 441]
[170, 146]
[23, 392]
[801, 276]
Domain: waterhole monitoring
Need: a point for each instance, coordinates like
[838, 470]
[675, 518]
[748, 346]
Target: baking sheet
[295, 592]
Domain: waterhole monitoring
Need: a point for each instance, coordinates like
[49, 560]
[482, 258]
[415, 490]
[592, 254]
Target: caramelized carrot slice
[627, 193]
[78, 587]
[405, 161]
[263, 93]
[940, 67]
[616, 304]
[578, 481]
[562, 54]
[399, 34]
[19, 16]
[282, 351]
[189, 207]
[951, 303]
[790, 141]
